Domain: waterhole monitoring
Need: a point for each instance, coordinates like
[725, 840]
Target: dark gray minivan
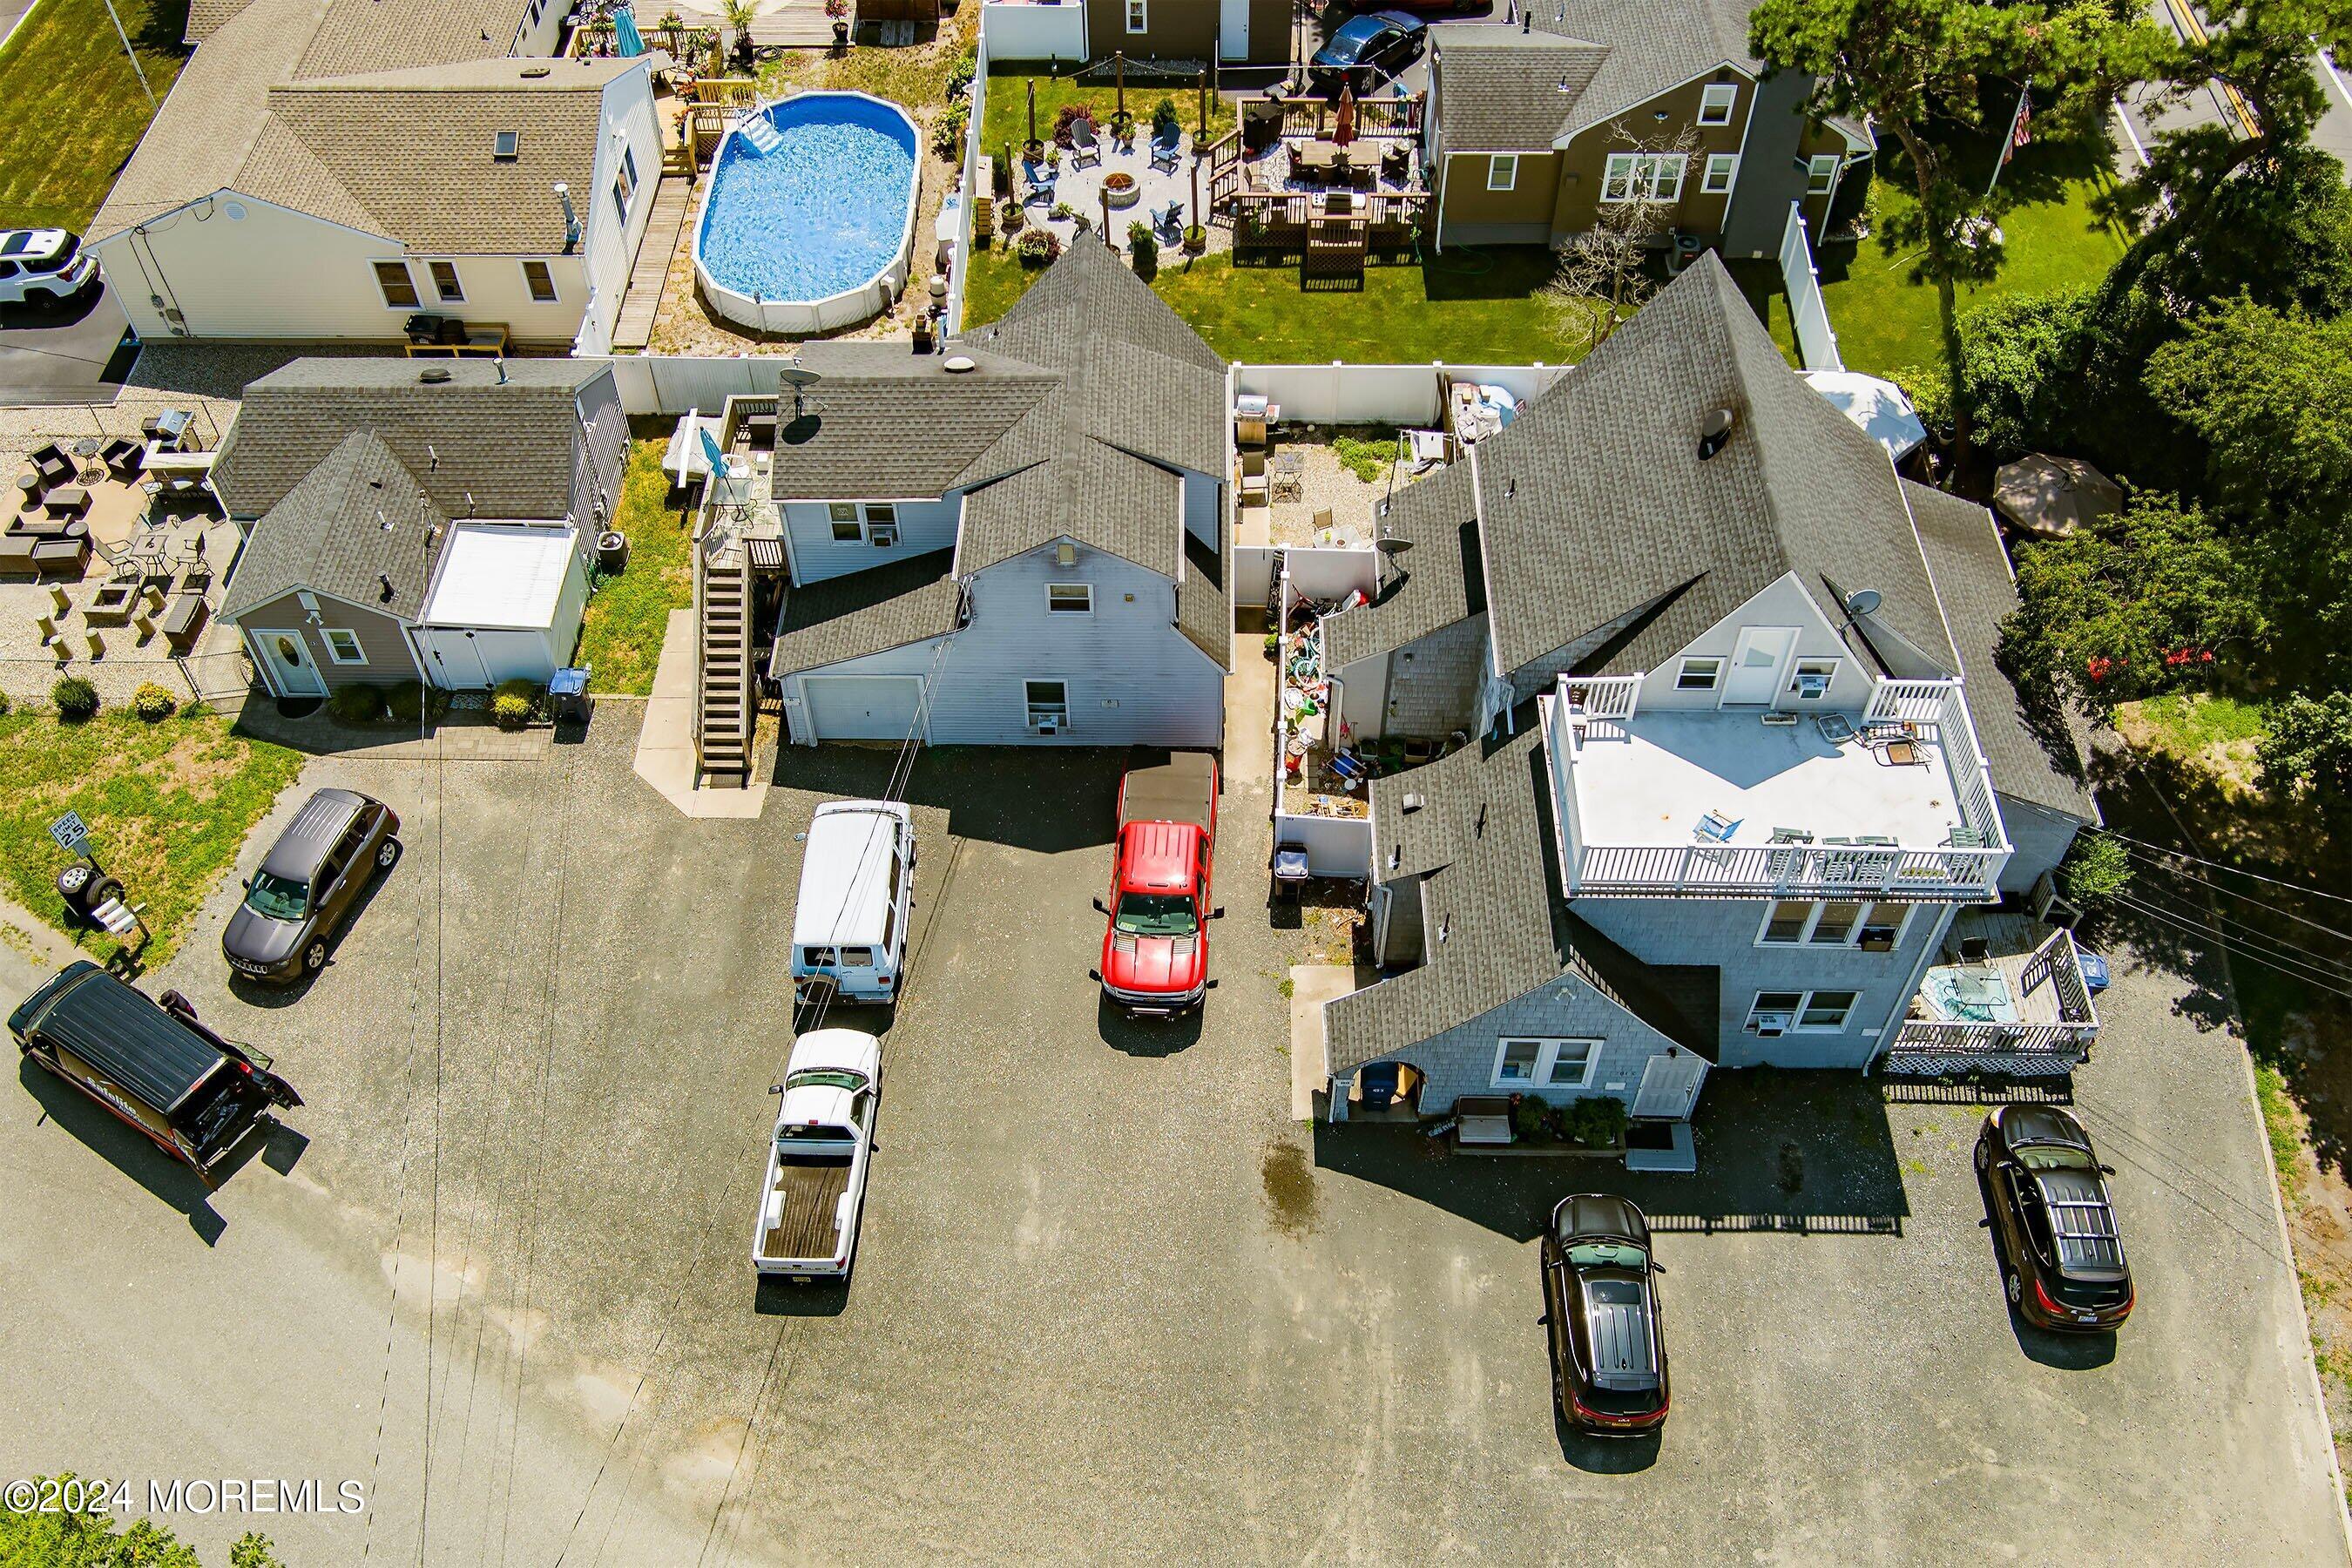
[149, 1062]
[307, 883]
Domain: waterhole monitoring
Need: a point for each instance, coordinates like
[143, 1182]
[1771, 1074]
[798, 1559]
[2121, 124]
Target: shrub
[5, 705]
[153, 702]
[1165, 124]
[1069, 113]
[1528, 1116]
[1063, 211]
[357, 705]
[947, 133]
[1596, 1123]
[1036, 247]
[2309, 747]
[514, 703]
[2095, 870]
[1144, 251]
[413, 701]
[74, 699]
[965, 66]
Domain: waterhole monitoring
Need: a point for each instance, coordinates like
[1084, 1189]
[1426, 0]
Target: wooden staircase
[724, 711]
[1334, 258]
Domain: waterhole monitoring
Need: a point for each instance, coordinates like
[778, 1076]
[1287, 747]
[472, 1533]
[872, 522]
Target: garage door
[862, 707]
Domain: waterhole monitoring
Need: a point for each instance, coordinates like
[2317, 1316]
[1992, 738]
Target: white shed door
[1233, 30]
[457, 665]
[1670, 1085]
[863, 706]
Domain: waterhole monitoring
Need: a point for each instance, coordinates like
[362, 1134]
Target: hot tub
[808, 217]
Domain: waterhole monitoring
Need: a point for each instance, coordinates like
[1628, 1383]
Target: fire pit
[1121, 190]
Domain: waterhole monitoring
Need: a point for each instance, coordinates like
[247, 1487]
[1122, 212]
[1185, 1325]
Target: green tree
[2150, 600]
[1921, 72]
[2309, 747]
[2095, 871]
[81, 1539]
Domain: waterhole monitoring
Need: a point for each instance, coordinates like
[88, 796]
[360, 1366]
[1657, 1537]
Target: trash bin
[567, 696]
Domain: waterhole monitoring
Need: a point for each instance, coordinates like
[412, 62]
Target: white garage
[505, 605]
[862, 707]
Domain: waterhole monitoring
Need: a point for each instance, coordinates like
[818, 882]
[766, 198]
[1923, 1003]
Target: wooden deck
[806, 1229]
[780, 24]
[634, 328]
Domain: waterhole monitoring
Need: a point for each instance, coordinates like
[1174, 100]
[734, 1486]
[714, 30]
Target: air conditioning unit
[1780, 720]
[1770, 1024]
[882, 534]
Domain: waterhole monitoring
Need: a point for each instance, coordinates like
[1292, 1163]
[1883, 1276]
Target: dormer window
[506, 146]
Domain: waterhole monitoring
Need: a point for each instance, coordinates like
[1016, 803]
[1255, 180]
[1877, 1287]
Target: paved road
[1111, 1303]
[2144, 116]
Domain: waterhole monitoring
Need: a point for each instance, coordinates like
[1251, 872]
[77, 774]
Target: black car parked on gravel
[1601, 1304]
[308, 884]
[2053, 1222]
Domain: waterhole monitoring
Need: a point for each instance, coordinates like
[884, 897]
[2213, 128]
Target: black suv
[151, 1063]
[307, 883]
[2053, 1223]
[1600, 1303]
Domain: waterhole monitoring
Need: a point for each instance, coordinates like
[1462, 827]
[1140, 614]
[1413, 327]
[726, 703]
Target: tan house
[1534, 127]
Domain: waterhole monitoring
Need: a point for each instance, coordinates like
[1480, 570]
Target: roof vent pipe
[383, 581]
[433, 376]
[960, 364]
[1714, 433]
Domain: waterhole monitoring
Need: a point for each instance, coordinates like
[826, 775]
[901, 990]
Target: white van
[857, 880]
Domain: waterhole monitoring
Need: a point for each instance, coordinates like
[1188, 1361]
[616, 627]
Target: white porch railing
[1949, 1045]
[1602, 696]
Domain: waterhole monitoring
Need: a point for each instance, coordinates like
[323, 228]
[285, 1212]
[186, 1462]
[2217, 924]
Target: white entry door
[1670, 1085]
[292, 671]
[1233, 30]
[1754, 678]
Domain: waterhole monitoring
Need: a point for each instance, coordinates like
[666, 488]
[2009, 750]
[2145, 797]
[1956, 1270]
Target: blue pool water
[821, 214]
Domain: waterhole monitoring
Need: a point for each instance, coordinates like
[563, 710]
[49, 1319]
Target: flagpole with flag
[2021, 131]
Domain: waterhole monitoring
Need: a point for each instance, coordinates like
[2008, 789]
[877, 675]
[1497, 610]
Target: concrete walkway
[664, 756]
[1311, 986]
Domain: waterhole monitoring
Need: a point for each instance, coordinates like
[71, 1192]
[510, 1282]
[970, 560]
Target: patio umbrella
[1343, 128]
[629, 42]
[2054, 496]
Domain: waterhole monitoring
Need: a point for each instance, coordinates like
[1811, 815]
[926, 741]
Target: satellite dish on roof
[792, 375]
[1862, 602]
[1392, 547]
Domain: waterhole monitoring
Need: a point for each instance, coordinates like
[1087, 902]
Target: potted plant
[1196, 240]
[839, 11]
[738, 14]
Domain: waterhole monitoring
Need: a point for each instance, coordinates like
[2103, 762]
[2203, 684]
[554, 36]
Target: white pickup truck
[815, 1186]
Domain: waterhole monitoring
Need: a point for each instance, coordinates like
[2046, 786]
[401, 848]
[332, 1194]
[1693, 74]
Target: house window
[843, 515]
[1794, 923]
[344, 646]
[1698, 674]
[1882, 928]
[399, 287]
[1774, 1011]
[625, 183]
[1502, 171]
[506, 145]
[1070, 598]
[1827, 1011]
[1543, 1063]
[539, 280]
[1715, 102]
[1138, 15]
[1786, 924]
[1835, 926]
[1722, 169]
[445, 282]
[1820, 173]
[1810, 682]
[882, 524]
[1642, 176]
[1049, 704]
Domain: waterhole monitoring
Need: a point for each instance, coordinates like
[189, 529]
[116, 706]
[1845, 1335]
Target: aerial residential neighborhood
[1197, 780]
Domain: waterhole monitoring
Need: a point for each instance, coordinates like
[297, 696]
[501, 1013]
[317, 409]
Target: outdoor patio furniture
[120, 458]
[60, 556]
[183, 619]
[29, 488]
[70, 500]
[1315, 160]
[1254, 486]
[1086, 146]
[1323, 522]
[1166, 151]
[1289, 476]
[1170, 222]
[171, 428]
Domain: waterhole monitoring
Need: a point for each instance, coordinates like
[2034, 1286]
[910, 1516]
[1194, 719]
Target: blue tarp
[625, 37]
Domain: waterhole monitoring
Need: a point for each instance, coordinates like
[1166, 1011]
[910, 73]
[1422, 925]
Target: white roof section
[1879, 407]
[505, 575]
[845, 893]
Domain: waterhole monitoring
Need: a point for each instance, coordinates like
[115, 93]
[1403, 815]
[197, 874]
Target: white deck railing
[1602, 696]
[2055, 964]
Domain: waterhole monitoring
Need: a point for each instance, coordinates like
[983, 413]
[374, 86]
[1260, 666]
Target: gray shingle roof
[886, 423]
[1484, 841]
[358, 517]
[1096, 494]
[1595, 502]
[206, 18]
[1203, 609]
[508, 445]
[866, 612]
[1508, 91]
[1435, 583]
[1973, 579]
[279, 104]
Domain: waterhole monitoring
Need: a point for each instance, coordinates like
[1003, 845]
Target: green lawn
[620, 634]
[1007, 117]
[1884, 321]
[167, 805]
[70, 108]
[1405, 315]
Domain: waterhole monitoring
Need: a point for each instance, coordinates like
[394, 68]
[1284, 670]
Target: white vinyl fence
[1816, 343]
[1399, 395]
[1033, 30]
[672, 383]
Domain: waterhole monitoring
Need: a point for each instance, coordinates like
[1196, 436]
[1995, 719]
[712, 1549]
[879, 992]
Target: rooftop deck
[1719, 803]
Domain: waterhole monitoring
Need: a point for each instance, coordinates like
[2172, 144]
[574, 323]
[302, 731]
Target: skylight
[508, 146]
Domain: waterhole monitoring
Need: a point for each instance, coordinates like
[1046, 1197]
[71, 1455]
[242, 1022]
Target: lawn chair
[1170, 224]
[1167, 151]
[1253, 486]
[1085, 147]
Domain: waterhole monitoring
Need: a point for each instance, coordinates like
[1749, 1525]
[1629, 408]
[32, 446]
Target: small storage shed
[505, 603]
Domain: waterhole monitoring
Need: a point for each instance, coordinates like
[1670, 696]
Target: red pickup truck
[1155, 954]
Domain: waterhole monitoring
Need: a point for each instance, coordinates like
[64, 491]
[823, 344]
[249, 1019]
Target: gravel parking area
[1110, 1303]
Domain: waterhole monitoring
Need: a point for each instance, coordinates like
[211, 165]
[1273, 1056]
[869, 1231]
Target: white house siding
[1723, 931]
[2039, 838]
[1133, 678]
[277, 273]
[916, 659]
[923, 526]
[1204, 504]
[626, 118]
[542, 27]
[1782, 602]
[1462, 1060]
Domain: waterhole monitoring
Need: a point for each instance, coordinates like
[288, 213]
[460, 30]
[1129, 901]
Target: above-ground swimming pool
[809, 213]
